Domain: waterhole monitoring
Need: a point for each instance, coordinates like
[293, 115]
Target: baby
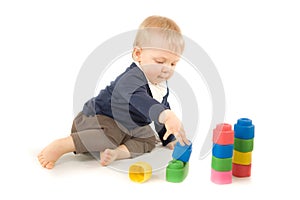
[116, 123]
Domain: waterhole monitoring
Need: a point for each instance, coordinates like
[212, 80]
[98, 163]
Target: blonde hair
[160, 33]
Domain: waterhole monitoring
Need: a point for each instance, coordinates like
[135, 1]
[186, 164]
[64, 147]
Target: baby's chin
[158, 81]
[161, 80]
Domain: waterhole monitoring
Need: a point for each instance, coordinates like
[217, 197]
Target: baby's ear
[136, 54]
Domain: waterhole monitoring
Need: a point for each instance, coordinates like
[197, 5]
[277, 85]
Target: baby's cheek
[154, 72]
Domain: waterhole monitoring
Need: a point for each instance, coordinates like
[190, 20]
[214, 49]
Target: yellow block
[242, 158]
[140, 172]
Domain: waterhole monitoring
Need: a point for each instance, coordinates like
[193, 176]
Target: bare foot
[51, 153]
[108, 156]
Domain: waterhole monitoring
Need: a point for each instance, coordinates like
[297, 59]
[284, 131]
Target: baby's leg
[139, 146]
[110, 155]
[51, 153]
[79, 142]
[97, 141]
[130, 146]
[143, 140]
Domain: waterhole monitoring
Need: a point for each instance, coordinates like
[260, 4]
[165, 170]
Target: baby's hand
[173, 126]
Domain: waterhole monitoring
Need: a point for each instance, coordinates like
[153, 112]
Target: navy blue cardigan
[128, 100]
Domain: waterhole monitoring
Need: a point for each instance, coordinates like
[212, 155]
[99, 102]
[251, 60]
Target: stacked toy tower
[221, 164]
[178, 168]
[243, 147]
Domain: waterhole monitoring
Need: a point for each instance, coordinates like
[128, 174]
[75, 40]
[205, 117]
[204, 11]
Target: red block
[223, 134]
[241, 171]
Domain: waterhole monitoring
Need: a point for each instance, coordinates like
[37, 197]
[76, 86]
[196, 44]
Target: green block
[221, 164]
[176, 171]
[243, 145]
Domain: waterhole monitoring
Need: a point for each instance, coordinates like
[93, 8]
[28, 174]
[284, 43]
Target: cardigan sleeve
[152, 108]
[161, 129]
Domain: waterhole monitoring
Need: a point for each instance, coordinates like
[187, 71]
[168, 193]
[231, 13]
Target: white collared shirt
[158, 90]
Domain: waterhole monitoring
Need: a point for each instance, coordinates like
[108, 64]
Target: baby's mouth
[161, 78]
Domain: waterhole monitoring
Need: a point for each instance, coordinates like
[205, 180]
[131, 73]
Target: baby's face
[158, 65]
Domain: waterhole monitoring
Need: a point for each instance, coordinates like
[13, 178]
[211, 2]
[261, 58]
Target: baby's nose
[166, 69]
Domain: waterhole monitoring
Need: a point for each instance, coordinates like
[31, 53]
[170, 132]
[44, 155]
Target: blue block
[182, 153]
[222, 151]
[244, 129]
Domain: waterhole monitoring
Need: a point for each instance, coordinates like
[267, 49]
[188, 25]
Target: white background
[255, 46]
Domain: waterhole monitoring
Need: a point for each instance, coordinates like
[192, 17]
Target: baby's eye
[159, 62]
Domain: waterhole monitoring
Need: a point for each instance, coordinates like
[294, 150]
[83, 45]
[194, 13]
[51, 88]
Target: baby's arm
[173, 126]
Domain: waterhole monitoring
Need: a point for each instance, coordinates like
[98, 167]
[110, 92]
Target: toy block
[221, 164]
[243, 145]
[221, 177]
[241, 171]
[242, 158]
[222, 151]
[223, 134]
[176, 171]
[140, 172]
[182, 153]
[244, 129]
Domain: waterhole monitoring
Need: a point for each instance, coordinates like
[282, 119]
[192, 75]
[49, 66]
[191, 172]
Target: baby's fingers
[186, 141]
[182, 138]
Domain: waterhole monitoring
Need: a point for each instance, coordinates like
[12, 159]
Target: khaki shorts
[97, 133]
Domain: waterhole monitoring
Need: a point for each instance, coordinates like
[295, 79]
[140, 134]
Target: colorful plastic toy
[241, 171]
[243, 147]
[177, 169]
[221, 177]
[140, 172]
[223, 134]
[221, 164]
[222, 151]
[242, 158]
[182, 153]
[244, 129]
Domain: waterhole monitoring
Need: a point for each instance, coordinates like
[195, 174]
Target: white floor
[81, 177]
